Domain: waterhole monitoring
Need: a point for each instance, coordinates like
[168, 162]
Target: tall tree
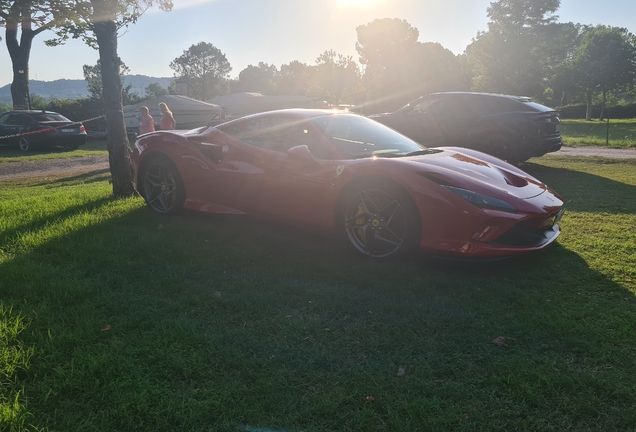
[97, 22]
[399, 68]
[256, 79]
[605, 60]
[385, 46]
[294, 78]
[23, 21]
[204, 66]
[512, 56]
[155, 90]
[337, 77]
[93, 77]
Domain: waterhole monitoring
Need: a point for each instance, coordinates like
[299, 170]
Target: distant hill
[72, 89]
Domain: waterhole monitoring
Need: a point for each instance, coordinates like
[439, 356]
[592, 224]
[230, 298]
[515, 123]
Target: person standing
[167, 119]
[147, 123]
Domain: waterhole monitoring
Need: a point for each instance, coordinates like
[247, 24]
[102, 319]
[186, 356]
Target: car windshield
[46, 117]
[358, 137]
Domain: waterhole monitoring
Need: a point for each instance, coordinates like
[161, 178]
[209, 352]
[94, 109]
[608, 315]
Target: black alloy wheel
[162, 185]
[380, 220]
[24, 144]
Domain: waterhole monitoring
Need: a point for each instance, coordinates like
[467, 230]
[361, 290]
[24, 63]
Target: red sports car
[346, 174]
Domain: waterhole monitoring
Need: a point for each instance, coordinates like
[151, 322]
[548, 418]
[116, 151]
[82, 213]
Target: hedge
[617, 112]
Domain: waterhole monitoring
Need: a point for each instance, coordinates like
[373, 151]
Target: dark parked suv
[31, 129]
[512, 128]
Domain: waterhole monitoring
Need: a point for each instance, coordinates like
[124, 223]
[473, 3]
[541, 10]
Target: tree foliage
[337, 78]
[93, 77]
[509, 16]
[154, 90]
[23, 20]
[511, 56]
[399, 68]
[294, 78]
[605, 60]
[259, 79]
[204, 66]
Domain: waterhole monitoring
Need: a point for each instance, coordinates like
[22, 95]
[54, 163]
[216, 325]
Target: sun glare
[357, 2]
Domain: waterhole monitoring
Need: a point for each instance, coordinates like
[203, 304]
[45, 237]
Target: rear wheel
[162, 187]
[379, 220]
[24, 144]
[503, 147]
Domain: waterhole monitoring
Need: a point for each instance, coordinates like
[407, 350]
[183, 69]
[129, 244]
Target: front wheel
[379, 220]
[162, 187]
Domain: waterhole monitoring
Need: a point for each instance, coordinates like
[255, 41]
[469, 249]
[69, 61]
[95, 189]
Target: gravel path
[596, 151]
[75, 165]
[85, 164]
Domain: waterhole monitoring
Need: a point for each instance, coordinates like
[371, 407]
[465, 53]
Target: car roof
[32, 112]
[303, 113]
[478, 94]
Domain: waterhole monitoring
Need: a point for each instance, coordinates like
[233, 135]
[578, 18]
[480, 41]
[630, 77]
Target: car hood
[493, 177]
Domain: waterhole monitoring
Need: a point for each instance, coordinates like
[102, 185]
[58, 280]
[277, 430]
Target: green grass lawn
[622, 133]
[113, 318]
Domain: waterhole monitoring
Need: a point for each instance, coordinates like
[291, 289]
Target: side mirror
[301, 153]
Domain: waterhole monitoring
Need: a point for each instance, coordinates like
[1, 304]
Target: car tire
[24, 144]
[378, 219]
[161, 185]
[500, 145]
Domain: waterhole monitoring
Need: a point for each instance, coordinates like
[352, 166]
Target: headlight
[482, 201]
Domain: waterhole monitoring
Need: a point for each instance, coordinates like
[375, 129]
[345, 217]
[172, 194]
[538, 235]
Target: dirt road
[75, 165]
[596, 151]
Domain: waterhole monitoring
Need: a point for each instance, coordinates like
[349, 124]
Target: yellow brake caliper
[360, 221]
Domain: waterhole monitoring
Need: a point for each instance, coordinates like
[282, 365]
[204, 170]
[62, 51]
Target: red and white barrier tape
[50, 129]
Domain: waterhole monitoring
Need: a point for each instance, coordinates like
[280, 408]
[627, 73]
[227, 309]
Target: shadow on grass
[584, 192]
[85, 178]
[216, 321]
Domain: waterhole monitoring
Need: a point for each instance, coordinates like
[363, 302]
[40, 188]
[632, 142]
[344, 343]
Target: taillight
[82, 128]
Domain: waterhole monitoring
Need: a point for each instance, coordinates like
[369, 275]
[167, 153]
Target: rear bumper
[541, 147]
[58, 139]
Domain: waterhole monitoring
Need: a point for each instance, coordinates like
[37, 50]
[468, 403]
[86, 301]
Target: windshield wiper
[423, 152]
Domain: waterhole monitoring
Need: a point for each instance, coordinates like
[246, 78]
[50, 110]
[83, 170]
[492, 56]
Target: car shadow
[584, 192]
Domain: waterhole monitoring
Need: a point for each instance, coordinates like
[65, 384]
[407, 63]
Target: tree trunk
[19, 53]
[119, 154]
[588, 113]
[603, 105]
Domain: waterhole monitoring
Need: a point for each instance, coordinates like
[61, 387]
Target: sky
[280, 31]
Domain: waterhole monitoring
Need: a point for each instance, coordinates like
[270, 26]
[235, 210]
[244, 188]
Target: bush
[80, 110]
[617, 112]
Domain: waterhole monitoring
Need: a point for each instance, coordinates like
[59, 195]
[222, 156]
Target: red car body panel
[221, 174]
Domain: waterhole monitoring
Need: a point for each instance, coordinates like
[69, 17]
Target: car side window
[304, 134]
[277, 134]
[15, 119]
[4, 118]
[428, 106]
[461, 108]
[21, 120]
[266, 133]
